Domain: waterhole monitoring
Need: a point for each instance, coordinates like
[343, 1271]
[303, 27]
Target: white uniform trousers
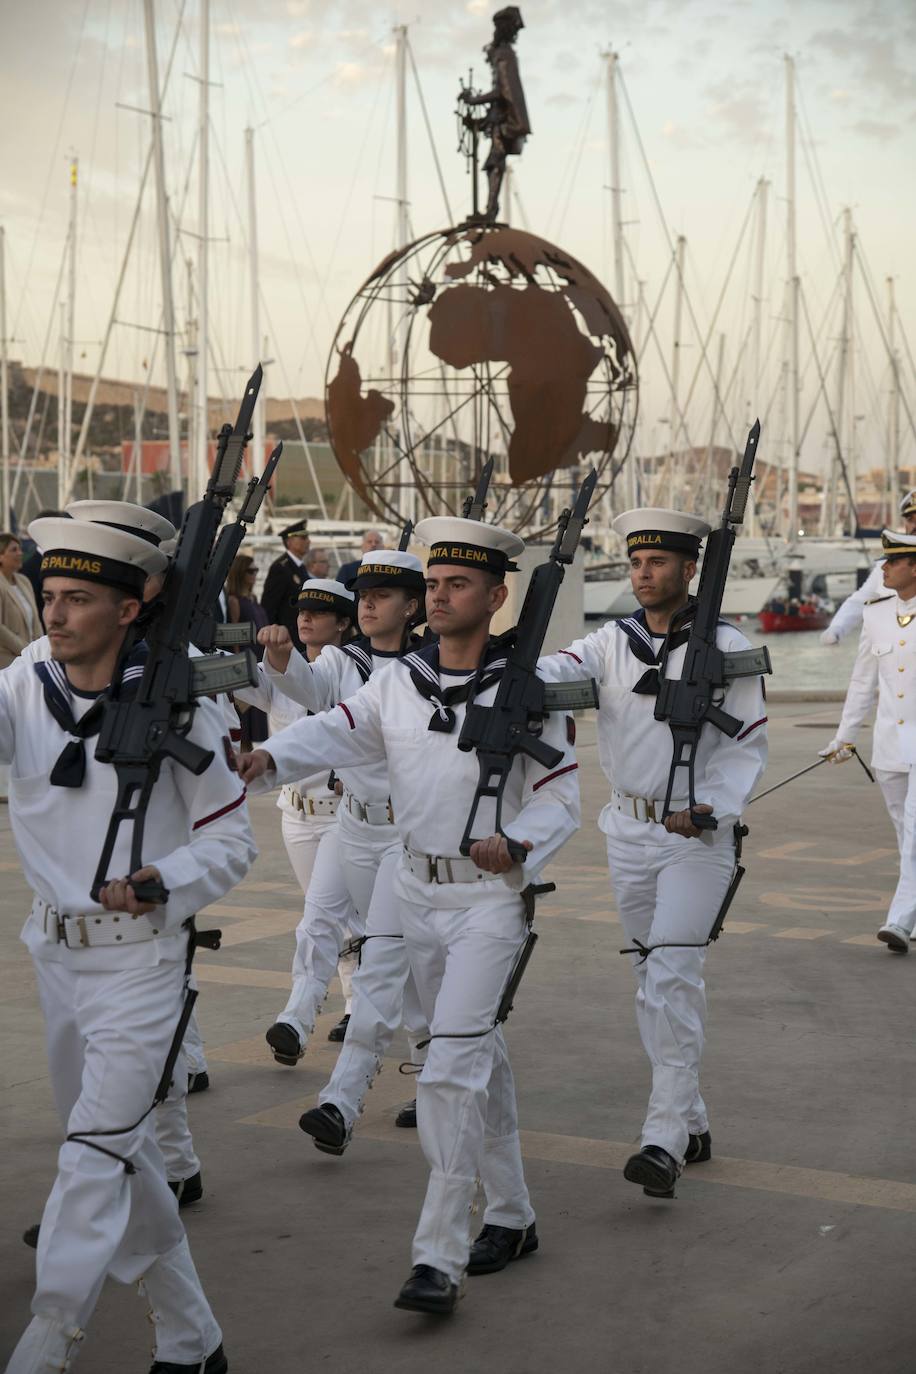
[301, 836]
[466, 1109]
[108, 1037]
[173, 1131]
[384, 998]
[902, 911]
[893, 789]
[193, 1047]
[669, 888]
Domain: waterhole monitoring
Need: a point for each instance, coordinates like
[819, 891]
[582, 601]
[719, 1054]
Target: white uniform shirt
[884, 672]
[386, 723]
[319, 686]
[281, 711]
[197, 831]
[849, 615]
[635, 749]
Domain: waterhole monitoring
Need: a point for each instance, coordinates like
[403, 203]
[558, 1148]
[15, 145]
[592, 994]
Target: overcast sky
[315, 79]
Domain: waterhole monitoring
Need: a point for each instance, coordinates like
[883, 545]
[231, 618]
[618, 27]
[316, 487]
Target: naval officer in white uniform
[669, 878]
[464, 919]
[884, 676]
[111, 974]
[849, 614]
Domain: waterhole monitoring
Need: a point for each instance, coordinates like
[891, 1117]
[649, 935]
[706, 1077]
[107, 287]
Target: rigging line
[725, 285]
[809, 148]
[330, 76]
[906, 342]
[429, 131]
[23, 295]
[580, 133]
[652, 333]
[866, 277]
[23, 447]
[830, 415]
[292, 400]
[577, 162]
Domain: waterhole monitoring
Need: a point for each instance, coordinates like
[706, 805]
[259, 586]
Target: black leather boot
[285, 1043]
[327, 1128]
[337, 1033]
[497, 1245]
[428, 1290]
[407, 1116]
[213, 1364]
[188, 1190]
[198, 1082]
[655, 1169]
[699, 1149]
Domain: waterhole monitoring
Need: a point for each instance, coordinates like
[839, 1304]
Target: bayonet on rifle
[406, 532]
[475, 505]
[513, 724]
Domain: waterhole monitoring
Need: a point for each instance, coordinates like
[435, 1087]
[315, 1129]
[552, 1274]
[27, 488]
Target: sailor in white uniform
[884, 676]
[849, 614]
[349, 856]
[464, 919]
[668, 877]
[111, 974]
[326, 611]
[173, 1131]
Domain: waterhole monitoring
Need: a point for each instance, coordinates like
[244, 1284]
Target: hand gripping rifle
[686, 703]
[139, 734]
[206, 632]
[513, 724]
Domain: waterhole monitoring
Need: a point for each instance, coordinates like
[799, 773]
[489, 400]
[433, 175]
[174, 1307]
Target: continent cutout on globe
[534, 330]
[355, 421]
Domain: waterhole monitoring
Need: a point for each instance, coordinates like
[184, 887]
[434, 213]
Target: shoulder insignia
[876, 599]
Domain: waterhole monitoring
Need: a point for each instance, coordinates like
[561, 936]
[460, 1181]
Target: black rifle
[475, 505]
[686, 703]
[513, 724]
[206, 632]
[139, 734]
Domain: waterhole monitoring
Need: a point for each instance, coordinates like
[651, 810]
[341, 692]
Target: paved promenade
[792, 1252]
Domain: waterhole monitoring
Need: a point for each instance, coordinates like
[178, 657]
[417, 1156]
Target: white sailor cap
[389, 568]
[88, 552]
[908, 503]
[653, 527]
[895, 544]
[469, 543]
[325, 594]
[124, 515]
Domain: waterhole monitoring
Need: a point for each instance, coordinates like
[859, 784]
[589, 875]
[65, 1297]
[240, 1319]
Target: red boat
[784, 622]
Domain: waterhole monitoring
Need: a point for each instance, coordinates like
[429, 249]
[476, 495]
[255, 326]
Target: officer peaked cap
[300, 527]
[894, 544]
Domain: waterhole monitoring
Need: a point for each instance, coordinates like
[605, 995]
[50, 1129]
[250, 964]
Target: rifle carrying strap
[529, 897]
[740, 833]
[210, 939]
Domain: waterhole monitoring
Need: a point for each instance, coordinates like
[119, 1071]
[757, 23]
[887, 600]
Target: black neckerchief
[424, 674]
[70, 768]
[642, 646]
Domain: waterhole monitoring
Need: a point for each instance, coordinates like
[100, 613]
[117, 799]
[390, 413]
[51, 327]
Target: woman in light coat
[20, 622]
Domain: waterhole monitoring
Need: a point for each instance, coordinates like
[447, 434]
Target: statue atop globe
[480, 341]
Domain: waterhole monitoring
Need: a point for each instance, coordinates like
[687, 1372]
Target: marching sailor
[111, 974]
[464, 919]
[390, 588]
[284, 578]
[883, 676]
[173, 1132]
[849, 614]
[669, 877]
[326, 611]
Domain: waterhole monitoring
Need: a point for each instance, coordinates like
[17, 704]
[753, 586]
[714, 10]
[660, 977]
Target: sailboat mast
[4, 388]
[617, 244]
[165, 251]
[257, 464]
[62, 473]
[67, 447]
[200, 466]
[675, 425]
[893, 410]
[840, 427]
[406, 503]
[792, 303]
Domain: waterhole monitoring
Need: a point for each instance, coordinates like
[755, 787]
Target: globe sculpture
[477, 342]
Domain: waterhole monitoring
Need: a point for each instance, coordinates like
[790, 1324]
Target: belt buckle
[308, 805]
[650, 810]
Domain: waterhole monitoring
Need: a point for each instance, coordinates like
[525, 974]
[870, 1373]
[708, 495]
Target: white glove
[837, 751]
[828, 637]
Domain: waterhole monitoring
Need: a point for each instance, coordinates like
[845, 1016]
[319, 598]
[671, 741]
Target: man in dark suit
[284, 578]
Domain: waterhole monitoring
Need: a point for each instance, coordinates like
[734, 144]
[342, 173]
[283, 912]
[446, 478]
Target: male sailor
[111, 974]
[668, 876]
[173, 1132]
[390, 588]
[849, 613]
[884, 675]
[464, 918]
